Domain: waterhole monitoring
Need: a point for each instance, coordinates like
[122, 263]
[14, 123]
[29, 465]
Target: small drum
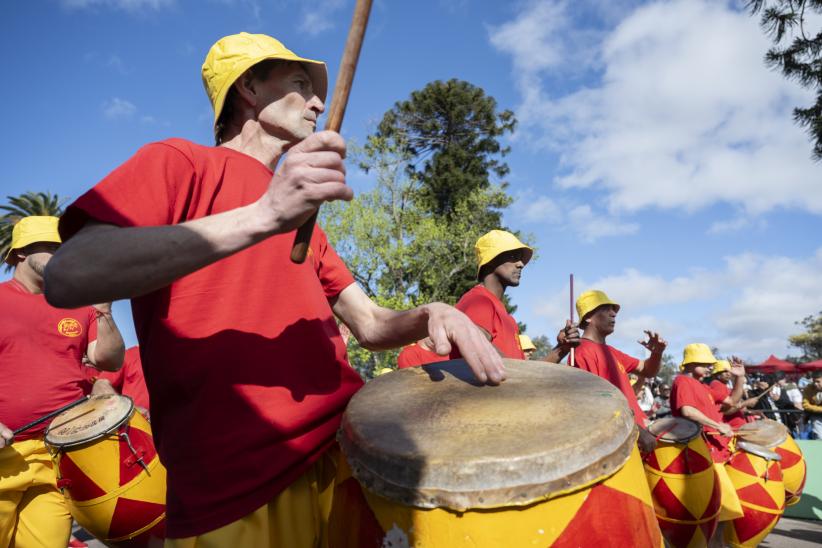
[757, 477]
[109, 471]
[548, 458]
[684, 486]
[775, 436]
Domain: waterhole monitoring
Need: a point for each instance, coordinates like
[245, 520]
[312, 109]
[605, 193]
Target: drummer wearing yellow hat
[692, 399]
[501, 258]
[597, 317]
[527, 345]
[41, 370]
[729, 399]
[199, 237]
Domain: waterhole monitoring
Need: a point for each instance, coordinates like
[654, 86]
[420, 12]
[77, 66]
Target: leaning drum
[683, 483]
[757, 478]
[775, 436]
[548, 458]
[109, 471]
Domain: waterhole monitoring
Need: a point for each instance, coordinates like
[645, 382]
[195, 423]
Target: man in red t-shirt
[729, 402]
[242, 356]
[693, 400]
[501, 258]
[41, 370]
[597, 317]
[128, 381]
[419, 353]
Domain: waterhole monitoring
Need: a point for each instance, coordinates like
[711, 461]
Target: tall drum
[775, 436]
[548, 458]
[684, 486]
[109, 471]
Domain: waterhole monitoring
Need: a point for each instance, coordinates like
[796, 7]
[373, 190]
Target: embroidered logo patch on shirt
[69, 327]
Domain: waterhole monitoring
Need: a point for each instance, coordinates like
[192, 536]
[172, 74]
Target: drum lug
[63, 483]
[136, 456]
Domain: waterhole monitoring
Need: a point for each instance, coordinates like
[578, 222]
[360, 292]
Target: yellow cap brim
[32, 238]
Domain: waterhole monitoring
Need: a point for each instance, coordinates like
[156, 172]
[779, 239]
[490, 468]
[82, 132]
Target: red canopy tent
[773, 364]
[811, 366]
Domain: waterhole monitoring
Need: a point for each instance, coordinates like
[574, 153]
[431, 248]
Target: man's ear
[245, 86]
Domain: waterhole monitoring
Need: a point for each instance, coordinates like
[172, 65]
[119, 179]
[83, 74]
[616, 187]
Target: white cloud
[591, 226]
[679, 110]
[320, 16]
[118, 109]
[126, 5]
[747, 306]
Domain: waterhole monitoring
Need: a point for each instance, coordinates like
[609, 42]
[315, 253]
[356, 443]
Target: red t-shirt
[413, 355]
[128, 380]
[41, 353]
[612, 365]
[244, 362]
[689, 391]
[489, 313]
[720, 392]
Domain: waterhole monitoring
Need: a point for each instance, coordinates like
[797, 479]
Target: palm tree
[28, 203]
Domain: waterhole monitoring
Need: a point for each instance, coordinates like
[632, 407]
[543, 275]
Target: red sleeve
[629, 363]
[585, 358]
[719, 391]
[332, 272]
[406, 357]
[685, 393]
[141, 192]
[479, 309]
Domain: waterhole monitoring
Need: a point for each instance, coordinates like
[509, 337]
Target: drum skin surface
[775, 436]
[108, 491]
[757, 477]
[684, 487]
[448, 462]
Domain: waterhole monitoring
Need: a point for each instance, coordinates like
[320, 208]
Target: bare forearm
[105, 263]
[109, 350]
[650, 365]
[738, 390]
[392, 329]
[696, 415]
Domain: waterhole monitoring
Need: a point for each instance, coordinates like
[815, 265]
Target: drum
[684, 486]
[547, 458]
[109, 471]
[757, 477]
[775, 436]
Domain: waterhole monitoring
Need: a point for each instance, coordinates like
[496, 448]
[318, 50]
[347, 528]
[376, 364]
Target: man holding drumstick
[597, 317]
[244, 362]
[41, 370]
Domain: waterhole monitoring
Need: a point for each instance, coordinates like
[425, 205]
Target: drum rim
[697, 430]
[425, 494]
[781, 428]
[758, 450]
[76, 443]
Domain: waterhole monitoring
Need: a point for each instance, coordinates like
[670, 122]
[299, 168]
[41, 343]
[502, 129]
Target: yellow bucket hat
[232, 55]
[499, 241]
[526, 343]
[29, 230]
[721, 366]
[697, 353]
[591, 300]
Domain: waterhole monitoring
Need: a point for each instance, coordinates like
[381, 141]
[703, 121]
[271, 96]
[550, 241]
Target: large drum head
[432, 436]
[674, 430]
[766, 432]
[757, 450]
[90, 420]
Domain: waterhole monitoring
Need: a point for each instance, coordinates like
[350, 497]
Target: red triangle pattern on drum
[132, 515]
[678, 535]
[688, 462]
[740, 461]
[81, 487]
[775, 471]
[758, 495]
[670, 502]
[789, 458]
[752, 524]
[651, 461]
[142, 442]
[610, 510]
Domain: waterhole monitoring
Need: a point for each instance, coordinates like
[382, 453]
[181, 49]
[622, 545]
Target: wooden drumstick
[571, 359]
[342, 88]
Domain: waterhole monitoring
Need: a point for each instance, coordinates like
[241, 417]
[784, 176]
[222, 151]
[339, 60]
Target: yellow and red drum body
[775, 436]
[453, 464]
[115, 485]
[684, 487]
[757, 476]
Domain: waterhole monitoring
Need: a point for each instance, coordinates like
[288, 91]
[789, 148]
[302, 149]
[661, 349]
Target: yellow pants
[731, 507]
[33, 513]
[296, 518]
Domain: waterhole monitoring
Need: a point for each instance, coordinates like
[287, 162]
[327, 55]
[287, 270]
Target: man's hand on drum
[725, 429]
[655, 344]
[646, 441]
[102, 386]
[447, 326]
[6, 436]
[737, 367]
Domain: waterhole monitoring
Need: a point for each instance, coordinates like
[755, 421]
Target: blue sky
[655, 156]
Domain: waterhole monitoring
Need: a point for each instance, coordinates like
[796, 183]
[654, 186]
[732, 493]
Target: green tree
[668, 369]
[797, 52]
[809, 342]
[25, 205]
[544, 345]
